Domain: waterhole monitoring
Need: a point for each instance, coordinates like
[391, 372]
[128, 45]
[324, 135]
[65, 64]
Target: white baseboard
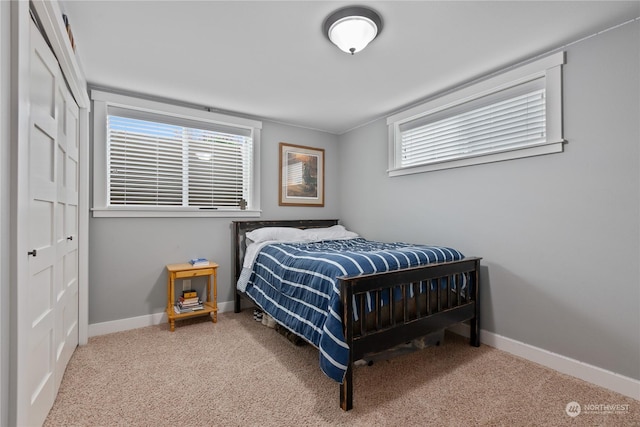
[120, 325]
[592, 374]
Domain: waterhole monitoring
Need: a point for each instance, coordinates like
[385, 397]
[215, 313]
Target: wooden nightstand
[186, 271]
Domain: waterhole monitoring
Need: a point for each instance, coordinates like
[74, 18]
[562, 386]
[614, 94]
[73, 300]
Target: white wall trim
[50, 16]
[5, 210]
[121, 325]
[575, 368]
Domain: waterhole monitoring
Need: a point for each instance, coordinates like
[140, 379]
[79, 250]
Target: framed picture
[301, 176]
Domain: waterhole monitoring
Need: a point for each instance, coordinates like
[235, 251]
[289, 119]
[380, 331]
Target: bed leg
[474, 333]
[236, 302]
[346, 390]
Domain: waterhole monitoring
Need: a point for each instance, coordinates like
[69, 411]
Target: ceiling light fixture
[352, 28]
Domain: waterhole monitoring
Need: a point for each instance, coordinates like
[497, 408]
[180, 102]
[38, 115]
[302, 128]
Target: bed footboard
[418, 301]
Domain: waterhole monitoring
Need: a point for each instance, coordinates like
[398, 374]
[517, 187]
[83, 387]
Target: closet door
[66, 303]
[48, 295]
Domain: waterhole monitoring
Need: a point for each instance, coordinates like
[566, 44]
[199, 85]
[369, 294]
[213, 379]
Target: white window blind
[156, 159]
[504, 125]
[513, 115]
[155, 163]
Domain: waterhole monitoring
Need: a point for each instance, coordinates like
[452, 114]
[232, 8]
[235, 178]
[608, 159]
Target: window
[155, 159]
[515, 114]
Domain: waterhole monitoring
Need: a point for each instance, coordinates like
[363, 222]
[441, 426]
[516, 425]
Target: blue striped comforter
[297, 284]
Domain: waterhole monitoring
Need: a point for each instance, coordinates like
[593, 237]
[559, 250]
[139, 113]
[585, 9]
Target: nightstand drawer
[194, 273]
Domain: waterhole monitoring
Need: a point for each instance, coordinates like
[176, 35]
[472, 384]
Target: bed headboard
[241, 228]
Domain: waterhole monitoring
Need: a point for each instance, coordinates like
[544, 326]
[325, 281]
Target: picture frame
[301, 176]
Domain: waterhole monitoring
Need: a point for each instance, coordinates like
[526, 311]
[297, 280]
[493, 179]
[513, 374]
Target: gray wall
[127, 256]
[5, 87]
[559, 234]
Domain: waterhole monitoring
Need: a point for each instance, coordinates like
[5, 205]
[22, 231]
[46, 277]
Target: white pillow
[286, 234]
[336, 232]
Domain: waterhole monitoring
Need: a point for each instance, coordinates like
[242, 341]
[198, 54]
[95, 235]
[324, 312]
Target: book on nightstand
[179, 310]
[187, 308]
[188, 302]
[189, 294]
[198, 262]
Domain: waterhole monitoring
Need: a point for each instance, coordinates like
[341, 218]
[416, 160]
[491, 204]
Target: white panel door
[66, 301]
[48, 296]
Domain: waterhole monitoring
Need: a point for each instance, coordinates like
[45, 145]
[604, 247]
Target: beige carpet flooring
[240, 373]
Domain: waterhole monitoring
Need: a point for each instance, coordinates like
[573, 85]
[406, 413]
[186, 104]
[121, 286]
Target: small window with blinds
[178, 162]
[514, 115]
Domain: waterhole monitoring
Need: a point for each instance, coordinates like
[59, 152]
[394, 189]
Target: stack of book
[188, 302]
[197, 262]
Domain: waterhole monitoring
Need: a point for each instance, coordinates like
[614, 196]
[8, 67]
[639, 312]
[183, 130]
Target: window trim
[549, 68]
[103, 100]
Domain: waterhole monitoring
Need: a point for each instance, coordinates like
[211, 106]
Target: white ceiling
[269, 59]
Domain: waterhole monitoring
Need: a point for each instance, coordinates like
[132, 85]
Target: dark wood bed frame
[401, 320]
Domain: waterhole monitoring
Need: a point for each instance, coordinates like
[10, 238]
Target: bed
[351, 297]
